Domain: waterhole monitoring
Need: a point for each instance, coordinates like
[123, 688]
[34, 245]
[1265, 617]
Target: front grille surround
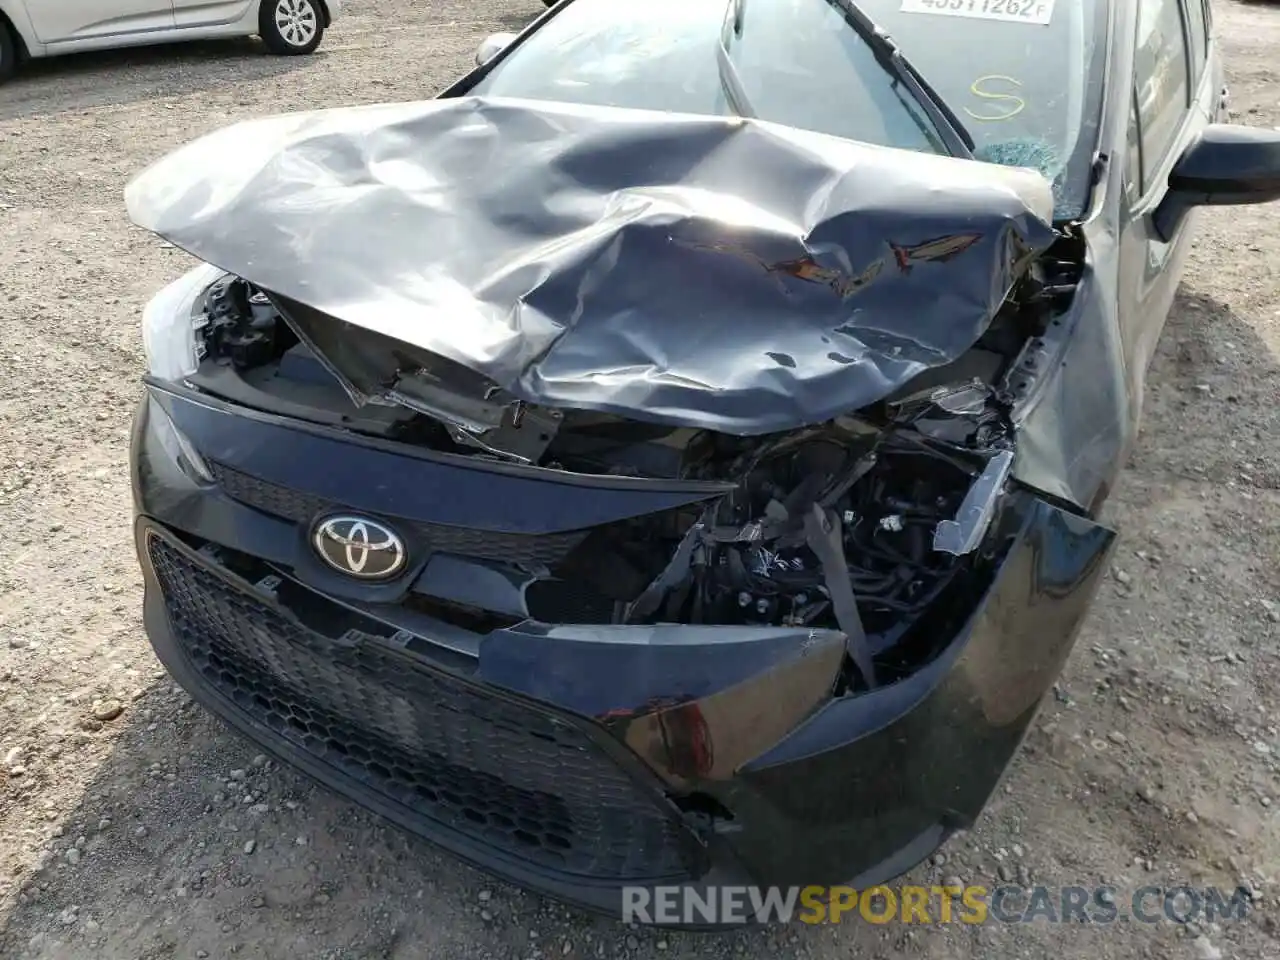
[521, 549]
[516, 780]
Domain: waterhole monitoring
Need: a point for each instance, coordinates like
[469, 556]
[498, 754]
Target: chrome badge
[359, 547]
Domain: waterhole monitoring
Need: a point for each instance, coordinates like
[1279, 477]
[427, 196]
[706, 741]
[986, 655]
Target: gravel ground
[134, 826]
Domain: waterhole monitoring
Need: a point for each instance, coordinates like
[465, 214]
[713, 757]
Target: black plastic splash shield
[712, 272]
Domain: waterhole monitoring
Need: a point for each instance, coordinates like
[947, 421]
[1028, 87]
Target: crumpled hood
[715, 272]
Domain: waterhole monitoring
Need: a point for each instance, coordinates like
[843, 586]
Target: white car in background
[47, 28]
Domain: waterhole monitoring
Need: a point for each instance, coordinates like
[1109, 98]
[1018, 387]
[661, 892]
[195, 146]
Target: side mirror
[1226, 165]
[491, 46]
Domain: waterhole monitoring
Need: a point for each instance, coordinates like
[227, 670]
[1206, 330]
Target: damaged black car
[674, 454]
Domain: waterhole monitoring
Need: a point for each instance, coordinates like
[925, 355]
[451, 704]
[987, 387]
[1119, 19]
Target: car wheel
[290, 28]
[8, 52]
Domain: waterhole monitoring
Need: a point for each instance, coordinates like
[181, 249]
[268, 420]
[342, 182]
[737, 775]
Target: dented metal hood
[712, 272]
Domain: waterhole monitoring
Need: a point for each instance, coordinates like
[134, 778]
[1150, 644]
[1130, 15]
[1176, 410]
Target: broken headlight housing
[170, 321]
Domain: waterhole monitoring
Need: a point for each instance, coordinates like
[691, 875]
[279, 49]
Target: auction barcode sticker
[1017, 11]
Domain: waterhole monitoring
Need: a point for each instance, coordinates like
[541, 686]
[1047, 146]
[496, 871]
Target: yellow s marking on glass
[1011, 104]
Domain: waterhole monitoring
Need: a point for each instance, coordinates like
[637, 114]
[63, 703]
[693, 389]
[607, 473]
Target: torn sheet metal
[963, 534]
[712, 272]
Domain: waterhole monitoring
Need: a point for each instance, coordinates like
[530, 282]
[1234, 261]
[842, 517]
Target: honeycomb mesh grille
[507, 776]
[523, 549]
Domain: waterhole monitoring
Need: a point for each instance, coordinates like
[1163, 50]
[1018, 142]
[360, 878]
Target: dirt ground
[134, 826]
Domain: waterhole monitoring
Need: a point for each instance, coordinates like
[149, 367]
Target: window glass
[1133, 153]
[1029, 92]
[798, 62]
[1197, 40]
[1160, 77]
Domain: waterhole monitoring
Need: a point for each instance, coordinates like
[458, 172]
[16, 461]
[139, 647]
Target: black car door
[1176, 89]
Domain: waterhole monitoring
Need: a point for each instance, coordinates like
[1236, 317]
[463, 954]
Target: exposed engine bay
[838, 527]
[863, 523]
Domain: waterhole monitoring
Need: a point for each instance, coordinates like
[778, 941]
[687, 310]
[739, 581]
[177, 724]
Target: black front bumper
[579, 760]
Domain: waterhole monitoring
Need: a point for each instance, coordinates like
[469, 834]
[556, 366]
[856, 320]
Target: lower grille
[509, 777]
[524, 549]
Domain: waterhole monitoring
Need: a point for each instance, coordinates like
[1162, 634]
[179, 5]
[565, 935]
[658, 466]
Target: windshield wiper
[958, 140]
[888, 55]
[737, 10]
[730, 80]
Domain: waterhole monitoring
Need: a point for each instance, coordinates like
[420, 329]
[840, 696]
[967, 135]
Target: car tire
[8, 52]
[291, 28]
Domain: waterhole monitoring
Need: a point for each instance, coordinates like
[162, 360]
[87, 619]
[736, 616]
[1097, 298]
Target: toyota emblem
[359, 547]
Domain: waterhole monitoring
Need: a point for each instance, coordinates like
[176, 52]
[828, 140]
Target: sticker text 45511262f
[1016, 11]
